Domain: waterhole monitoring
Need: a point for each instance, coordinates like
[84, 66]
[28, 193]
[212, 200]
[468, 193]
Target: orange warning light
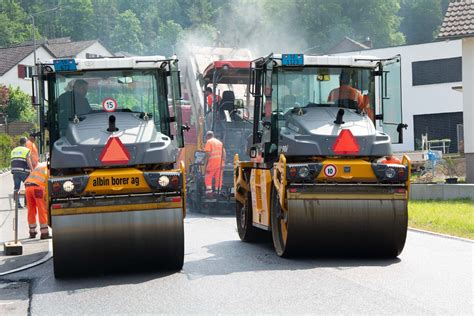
[346, 144]
[114, 152]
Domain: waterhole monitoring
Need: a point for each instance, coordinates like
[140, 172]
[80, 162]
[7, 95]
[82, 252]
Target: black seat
[227, 102]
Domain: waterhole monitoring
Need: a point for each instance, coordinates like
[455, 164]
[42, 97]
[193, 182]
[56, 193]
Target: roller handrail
[183, 192]
[406, 161]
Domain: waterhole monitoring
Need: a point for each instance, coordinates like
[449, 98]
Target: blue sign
[292, 59]
[64, 65]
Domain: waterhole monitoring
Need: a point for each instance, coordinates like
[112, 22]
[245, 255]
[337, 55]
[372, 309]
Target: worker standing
[215, 162]
[31, 145]
[35, 186]
[211, 98]
[21, 166]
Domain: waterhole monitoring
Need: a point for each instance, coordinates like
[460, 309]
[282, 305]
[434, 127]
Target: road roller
[316, 180]
[116, 196]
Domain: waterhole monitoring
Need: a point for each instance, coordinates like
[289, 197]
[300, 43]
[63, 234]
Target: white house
[459, 23]
[429, 72]
[16, 62]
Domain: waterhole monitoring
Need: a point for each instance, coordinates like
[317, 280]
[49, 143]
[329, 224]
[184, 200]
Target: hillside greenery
[159, 26]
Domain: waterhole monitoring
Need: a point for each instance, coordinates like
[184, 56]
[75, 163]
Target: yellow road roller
[319, 178]
[116, 197]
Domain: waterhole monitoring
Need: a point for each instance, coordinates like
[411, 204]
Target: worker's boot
[45, 236]
[32, 235]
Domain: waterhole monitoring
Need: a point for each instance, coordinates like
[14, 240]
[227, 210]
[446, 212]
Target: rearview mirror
[238, 104]
[125, 80]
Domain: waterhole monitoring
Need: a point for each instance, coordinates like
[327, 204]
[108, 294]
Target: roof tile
[458, 20]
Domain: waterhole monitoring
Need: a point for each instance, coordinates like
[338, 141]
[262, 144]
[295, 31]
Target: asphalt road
[224, 275]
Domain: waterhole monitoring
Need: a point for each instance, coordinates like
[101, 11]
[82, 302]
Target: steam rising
[262, 27]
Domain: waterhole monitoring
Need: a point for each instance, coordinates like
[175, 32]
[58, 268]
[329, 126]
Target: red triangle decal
[114, 152]
[346, 144]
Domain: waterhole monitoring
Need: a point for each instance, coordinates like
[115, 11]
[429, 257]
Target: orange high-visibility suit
[346, 92]
[391, 160]
[35, 186]
[215, 163]
[33, 152]
[210, 99]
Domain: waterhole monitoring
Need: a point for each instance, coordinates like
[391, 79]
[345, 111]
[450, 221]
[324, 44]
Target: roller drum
[345, 227]
[118, 241]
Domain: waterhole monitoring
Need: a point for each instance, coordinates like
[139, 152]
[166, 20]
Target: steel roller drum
[118, 241]
[353, 227]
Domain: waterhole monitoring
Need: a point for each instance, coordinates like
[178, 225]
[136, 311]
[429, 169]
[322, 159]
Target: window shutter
[21, 71]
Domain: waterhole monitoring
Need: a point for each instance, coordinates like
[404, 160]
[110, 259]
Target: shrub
[6, 145]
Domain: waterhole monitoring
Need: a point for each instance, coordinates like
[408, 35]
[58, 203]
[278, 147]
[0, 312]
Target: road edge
[422, 231]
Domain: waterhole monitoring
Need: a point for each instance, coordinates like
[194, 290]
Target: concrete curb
[422, 231]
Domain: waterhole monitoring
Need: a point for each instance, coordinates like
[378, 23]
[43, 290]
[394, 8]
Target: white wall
[96, 48]
[10, 78]
[425, 99]
[468, 93]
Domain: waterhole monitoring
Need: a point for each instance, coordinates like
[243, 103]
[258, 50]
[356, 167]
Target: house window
[439, 126]
[436, 71]
[25, 71]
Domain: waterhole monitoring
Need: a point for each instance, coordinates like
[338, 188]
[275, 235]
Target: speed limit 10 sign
[330, 171]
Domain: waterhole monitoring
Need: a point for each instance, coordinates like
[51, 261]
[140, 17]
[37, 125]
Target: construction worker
[35, 186]
[210, 98]
[345, 95]
[21, 166]
[390, 159]
[31, 145]
[215, 162]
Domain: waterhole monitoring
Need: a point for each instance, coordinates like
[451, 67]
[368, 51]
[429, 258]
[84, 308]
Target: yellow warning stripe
[339, 196]
[114, 208]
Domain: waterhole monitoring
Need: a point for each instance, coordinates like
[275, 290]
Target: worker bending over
[35, 186]
[215, 162]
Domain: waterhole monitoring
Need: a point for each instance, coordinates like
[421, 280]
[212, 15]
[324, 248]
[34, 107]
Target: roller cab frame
[315, 180]
[116, 198]
[228, 118]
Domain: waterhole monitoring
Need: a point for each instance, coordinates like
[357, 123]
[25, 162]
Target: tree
[375, 19]
[19, 106]
[421, 19]
[74, 19]
[169, 33]
[127, 34]
[14, 24]
[4, 98]
[104, 20]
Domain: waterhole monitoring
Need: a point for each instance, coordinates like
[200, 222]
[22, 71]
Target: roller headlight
[163, 181]
[68, 186]
[390, 173]
[303, 172]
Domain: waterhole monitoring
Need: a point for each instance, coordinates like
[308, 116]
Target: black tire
[243, 214]
[280, 238]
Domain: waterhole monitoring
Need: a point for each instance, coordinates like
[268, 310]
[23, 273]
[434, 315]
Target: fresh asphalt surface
[221, 274]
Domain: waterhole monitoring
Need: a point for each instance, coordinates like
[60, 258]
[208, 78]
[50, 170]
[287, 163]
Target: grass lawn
[454, 217]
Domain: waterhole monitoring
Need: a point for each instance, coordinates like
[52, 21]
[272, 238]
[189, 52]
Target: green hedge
[6, 146]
